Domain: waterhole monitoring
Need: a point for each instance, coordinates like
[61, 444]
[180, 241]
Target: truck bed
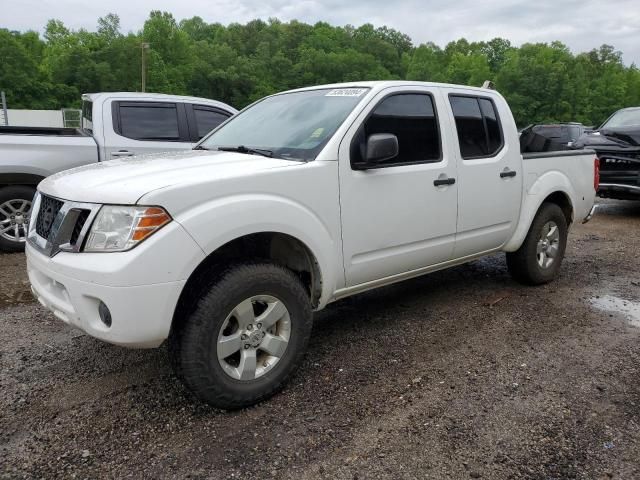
[571, 169]
[43, 131]
[42, 155]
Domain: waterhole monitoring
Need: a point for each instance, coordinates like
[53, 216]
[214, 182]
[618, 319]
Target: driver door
[398, 215]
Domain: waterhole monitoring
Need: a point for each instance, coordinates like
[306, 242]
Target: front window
[623, 118]
[411, 117]
[293, 125]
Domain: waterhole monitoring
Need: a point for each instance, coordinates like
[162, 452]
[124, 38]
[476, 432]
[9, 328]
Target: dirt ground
[459, 374]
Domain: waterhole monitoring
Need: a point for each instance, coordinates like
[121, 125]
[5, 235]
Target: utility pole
[143, 46]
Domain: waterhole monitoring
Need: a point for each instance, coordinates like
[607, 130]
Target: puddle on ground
[629, 309]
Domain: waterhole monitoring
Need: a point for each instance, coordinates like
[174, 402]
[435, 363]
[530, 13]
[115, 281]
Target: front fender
[543, 186]
[222, 220]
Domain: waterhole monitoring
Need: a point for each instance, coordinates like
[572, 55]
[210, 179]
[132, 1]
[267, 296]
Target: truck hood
[124, 181]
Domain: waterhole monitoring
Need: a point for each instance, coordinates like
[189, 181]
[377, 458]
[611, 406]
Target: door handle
[508, 173]
[444, 181]
[122, 153]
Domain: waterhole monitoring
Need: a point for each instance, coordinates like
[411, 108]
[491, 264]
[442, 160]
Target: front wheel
[245, 336]
[539, 258]
[15, 209]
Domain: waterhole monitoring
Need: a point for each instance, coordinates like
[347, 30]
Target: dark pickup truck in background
[551, 137]
[617, 144]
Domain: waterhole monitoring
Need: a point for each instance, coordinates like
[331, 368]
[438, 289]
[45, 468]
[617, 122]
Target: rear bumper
[590, 214]
[618, 190]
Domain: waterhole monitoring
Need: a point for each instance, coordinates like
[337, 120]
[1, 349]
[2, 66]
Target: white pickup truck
[303, 198]
[114, 125]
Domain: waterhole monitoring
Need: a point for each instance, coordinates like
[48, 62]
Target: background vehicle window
[574, 133]
[478, 127]
[207, 120]
[87, 116]
[149, 122]
[411, 118]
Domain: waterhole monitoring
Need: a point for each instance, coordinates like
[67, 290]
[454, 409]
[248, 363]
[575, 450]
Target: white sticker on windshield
[346, 92]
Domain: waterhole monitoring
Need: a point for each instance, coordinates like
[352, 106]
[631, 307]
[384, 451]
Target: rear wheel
[15, 210]
[245, 337]
[539, 258]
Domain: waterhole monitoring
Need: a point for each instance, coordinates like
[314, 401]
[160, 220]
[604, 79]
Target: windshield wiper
[200, 147]
[249, 150]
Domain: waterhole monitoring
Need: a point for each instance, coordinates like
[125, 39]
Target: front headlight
[117, 228]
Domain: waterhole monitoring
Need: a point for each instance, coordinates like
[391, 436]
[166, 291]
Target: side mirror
[381, 147]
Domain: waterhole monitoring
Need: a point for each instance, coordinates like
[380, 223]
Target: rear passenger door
[145, 127]
[489, 172]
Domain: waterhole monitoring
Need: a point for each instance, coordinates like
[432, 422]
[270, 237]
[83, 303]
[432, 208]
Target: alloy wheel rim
[254, 337]
[14, 219]
[548, 245]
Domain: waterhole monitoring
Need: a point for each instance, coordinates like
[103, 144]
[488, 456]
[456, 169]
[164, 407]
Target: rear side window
[411, 117]
[207, 119]
[478, 126]
[87, 116]
[574, 133]
[148, 121]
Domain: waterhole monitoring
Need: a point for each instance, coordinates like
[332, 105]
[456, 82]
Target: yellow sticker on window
[317, 132]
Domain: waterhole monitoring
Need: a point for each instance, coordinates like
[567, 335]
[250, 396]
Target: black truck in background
[617, 143]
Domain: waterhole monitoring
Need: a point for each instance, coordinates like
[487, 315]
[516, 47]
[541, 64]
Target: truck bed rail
[43, 131]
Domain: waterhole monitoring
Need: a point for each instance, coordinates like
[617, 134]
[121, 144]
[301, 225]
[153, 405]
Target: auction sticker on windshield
[346, 92]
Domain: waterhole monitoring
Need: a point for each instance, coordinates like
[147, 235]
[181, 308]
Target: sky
[580, 24]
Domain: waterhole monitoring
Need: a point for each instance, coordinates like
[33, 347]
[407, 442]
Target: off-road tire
[193, 340]
[523, 263]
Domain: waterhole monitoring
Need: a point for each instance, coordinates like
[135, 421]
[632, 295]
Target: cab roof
[382, 84]
[101, 96]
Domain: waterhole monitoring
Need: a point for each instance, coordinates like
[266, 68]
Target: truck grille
[49, 208]
[60, 225]
[621, 168]
[82, 219]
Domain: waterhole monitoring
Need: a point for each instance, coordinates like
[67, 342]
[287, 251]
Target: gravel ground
[460, 374]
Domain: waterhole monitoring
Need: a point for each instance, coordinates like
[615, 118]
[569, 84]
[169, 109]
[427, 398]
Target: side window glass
[412, 119]
[478, 126]
[574, 133]
[149, 121]
[470, 126]
[207, 119]
[494, 134]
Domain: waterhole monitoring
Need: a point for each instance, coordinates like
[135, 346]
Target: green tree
[239, 63]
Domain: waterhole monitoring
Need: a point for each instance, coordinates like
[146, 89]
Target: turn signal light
[148, 222]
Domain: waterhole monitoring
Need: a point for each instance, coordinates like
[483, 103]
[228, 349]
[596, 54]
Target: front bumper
[140, 287]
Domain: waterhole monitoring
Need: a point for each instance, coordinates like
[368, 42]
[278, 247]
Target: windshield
[623, 118]
[293, 125]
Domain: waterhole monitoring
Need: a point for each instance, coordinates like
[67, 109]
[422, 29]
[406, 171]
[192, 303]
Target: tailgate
[45, 155]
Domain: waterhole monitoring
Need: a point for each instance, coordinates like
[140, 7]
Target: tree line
[237, 64]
